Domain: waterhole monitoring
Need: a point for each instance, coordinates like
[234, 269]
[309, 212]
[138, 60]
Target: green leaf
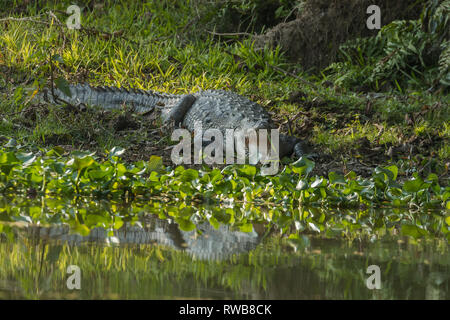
[185, 224]
[57, 150]
[6, 168]
[213, 221]
[317, 183]
[189, 175]
[121, 169]
[63, 85]
[285, 179]
[97, 174]
[382, 175]
[248, 227]
[18, 95]
[432, 177]
[302, 166]
[448, 218]
[8, 158]
[394, 170]
[118, 223]
[302, 185]
[248, 170]
[413, 186]
[155, 164]
[26, 158]
[336, 178]
[413, 231]
[153, 176]
[351, 175]
[159, 254]
[215, 176]
[116, 152]
[81, 229]
[36, 178]
[84, 162]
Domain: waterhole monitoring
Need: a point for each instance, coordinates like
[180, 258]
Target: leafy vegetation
[82, 175]
[252, 15]
[375, 150]
[166, 50]
[378, 119]
[404, 54]
[296, 201]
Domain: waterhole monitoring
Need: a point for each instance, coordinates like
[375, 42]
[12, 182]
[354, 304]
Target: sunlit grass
[154, 50]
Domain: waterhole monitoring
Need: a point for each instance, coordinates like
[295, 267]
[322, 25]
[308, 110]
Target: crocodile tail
[110, 97]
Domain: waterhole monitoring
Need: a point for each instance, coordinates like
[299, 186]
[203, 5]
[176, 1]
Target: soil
[362, 157]
[313, 39]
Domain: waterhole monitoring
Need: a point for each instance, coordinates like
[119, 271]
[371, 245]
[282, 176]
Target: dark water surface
[155, 258]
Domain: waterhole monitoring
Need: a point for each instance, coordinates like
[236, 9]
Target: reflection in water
[205, 242]
[307, 268]
[157, 251]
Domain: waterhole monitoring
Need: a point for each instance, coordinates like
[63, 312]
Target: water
[158, 256]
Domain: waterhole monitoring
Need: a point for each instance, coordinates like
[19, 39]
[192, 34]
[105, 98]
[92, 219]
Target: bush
[404, 54]
[251, 15]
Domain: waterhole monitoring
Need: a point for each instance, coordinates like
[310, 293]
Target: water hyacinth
[81, 174]
[293, 201]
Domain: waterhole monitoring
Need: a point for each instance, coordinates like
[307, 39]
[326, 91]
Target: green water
[135, 253]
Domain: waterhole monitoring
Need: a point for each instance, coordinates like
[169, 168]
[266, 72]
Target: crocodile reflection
[205, 242]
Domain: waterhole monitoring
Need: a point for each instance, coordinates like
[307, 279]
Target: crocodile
[205, 242]
[214, 109]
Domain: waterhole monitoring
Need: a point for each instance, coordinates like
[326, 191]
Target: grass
[165, 46]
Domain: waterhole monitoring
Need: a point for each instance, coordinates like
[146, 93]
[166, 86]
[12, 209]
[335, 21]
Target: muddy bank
[313, 39]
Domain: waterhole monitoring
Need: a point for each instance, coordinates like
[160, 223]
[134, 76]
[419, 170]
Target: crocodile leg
[178, 112]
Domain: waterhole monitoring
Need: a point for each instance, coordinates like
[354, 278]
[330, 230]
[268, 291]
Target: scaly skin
[215, 109]
[114, 98]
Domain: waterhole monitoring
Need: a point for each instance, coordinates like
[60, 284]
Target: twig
[293, 75]
[295, 117]
[388, 57]
[291, 12]
[61, 27]
[289, 125]
[230, 34]
[51, 14]
[105, 34]
[190, 22]
[25, 19]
